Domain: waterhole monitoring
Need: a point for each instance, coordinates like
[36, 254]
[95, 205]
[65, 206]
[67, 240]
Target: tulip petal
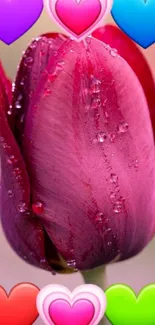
[6, 89]
[22, 229]
[88, 145]
[5, 85]
[113, 36]
[32, 66]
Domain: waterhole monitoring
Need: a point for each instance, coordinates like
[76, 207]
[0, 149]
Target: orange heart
[19, 307]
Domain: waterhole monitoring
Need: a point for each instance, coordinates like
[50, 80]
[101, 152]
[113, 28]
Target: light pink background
[136, 272]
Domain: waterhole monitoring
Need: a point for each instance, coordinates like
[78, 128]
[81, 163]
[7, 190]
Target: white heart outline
[53, 292]
[104, 12]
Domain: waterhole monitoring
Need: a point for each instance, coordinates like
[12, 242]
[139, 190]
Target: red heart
[19, 307]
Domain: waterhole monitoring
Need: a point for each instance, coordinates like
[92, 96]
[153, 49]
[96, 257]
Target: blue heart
[137, 19]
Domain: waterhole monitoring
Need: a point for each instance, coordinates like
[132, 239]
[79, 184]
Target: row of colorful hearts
[87, 304]
[79, 25]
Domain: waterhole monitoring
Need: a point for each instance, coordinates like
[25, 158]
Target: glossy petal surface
[113, 36]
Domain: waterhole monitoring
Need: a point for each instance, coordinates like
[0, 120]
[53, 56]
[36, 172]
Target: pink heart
[78, 17]
[62, 313]
[85, 305]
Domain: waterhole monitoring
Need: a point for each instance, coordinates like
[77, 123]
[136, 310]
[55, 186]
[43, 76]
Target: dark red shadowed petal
[90, 156]
[113, 36]
[6, 85]
[55, 36]
[22, 228]
[32, 66]
[6, 89]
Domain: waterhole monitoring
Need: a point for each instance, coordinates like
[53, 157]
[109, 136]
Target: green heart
[124, 308]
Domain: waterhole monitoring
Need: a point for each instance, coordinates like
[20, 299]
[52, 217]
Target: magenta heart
[78, 17]
[17, 17]
[62, 313]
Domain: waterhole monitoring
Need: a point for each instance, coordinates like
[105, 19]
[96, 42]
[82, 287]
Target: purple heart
[17, 17]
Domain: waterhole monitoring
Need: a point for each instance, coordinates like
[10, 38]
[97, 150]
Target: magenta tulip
[78, 164]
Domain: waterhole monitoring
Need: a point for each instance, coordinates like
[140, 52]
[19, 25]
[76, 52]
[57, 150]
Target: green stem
[96, 276]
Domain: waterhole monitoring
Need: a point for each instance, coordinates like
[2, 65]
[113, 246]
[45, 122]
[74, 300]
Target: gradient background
[136, 272]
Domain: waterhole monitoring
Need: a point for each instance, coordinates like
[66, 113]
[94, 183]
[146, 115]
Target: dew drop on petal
[17, 171]
[60, 64]
[99, 217]
[22, 82]
[106, 114]
[109, 243]
[22, 118]
[38, 208]
[113, 178]
[112, 137]
[88, 39]
[22, 207]
[9, 112]
[6, 146]
[113, 52]
[101, 137]
[47, 91]
[96, 103]
[123, 127]
[11, 159]
[136, 164]
[10, 193]
[112, 196]
[71, 263]
[71, 251]
[34, 44]
[17, 105]
[117, 208]
[86, 92]
[13, 87]
[43, 261]
[95, 85]
[28, 62]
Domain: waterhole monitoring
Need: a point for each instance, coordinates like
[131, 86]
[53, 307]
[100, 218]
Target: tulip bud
[82, 174]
